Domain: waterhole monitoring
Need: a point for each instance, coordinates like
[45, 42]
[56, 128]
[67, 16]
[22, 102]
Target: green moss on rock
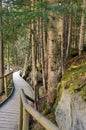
[59, 93]
[83, 93]
[75, 76]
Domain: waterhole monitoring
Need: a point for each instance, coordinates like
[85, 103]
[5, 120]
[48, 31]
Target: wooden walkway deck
[9, 111]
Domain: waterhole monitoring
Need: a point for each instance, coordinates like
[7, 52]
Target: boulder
[71, 112]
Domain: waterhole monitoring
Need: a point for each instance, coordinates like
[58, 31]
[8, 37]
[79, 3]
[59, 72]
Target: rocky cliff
[70, 112]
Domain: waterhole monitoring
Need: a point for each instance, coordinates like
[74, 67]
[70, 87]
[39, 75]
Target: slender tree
[8, 58]
[42, 41]
[69, 36]
[82, 29]
[64, 43]
[1, 55]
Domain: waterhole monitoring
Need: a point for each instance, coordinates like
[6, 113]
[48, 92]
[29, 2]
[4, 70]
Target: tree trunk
[16, 57]
[42, 55]
[34, 82]
[1, 56]
[64, 43]
[46, 50]
[69, 37]
[26, 60]
[82, 30]
[33, 61]
[8, 58]
[53, 58]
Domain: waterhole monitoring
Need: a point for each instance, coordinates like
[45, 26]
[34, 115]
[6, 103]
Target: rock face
[71, 112]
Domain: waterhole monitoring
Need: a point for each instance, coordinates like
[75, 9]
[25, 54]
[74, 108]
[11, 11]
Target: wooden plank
[9, 111]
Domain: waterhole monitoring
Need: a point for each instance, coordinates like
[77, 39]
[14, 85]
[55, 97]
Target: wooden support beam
[5, 85]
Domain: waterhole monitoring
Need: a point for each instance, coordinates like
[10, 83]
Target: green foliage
[26, 70]
[73, 52]
[29, 68]
[17, 15]
[83, 93]
[22, 71]
[39, 66]
[41, 91]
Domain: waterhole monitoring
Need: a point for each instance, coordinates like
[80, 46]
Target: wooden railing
[26, 109]
[8, 83]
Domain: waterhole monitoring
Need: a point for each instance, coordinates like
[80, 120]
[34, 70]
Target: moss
[51, 117]
[36, 126]
[83, 93]
[41, 91]
[22, 71]
[44, 109]
[59, 93]
[29, 68]
[47, 108]
[39, 66]
[25, 69]
[75, 75]
[72, 79]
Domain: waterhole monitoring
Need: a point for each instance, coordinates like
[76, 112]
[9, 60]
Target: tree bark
[34, 82]
[8, 58]
[69, 37]
[82, 30]
[64, 43]
[42, 55]
[1, 55]
[53, 57]
[26, 60]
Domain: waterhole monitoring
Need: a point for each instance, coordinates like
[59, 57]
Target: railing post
[5, 85]
[20, 121]
[25, 120]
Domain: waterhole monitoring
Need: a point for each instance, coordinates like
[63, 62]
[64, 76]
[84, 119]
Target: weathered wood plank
[9, 111]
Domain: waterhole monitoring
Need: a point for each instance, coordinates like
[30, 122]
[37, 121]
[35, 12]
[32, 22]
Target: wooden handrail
[6, 75]
[26, 109]
[6, 81]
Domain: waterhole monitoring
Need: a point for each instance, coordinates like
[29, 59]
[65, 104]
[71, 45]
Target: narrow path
[9, 111]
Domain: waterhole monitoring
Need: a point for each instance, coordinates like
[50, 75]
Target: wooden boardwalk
[9, 111]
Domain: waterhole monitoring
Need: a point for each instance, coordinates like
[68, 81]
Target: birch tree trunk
[82, 30]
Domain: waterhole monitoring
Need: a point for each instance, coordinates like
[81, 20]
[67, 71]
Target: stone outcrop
[71, 112]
